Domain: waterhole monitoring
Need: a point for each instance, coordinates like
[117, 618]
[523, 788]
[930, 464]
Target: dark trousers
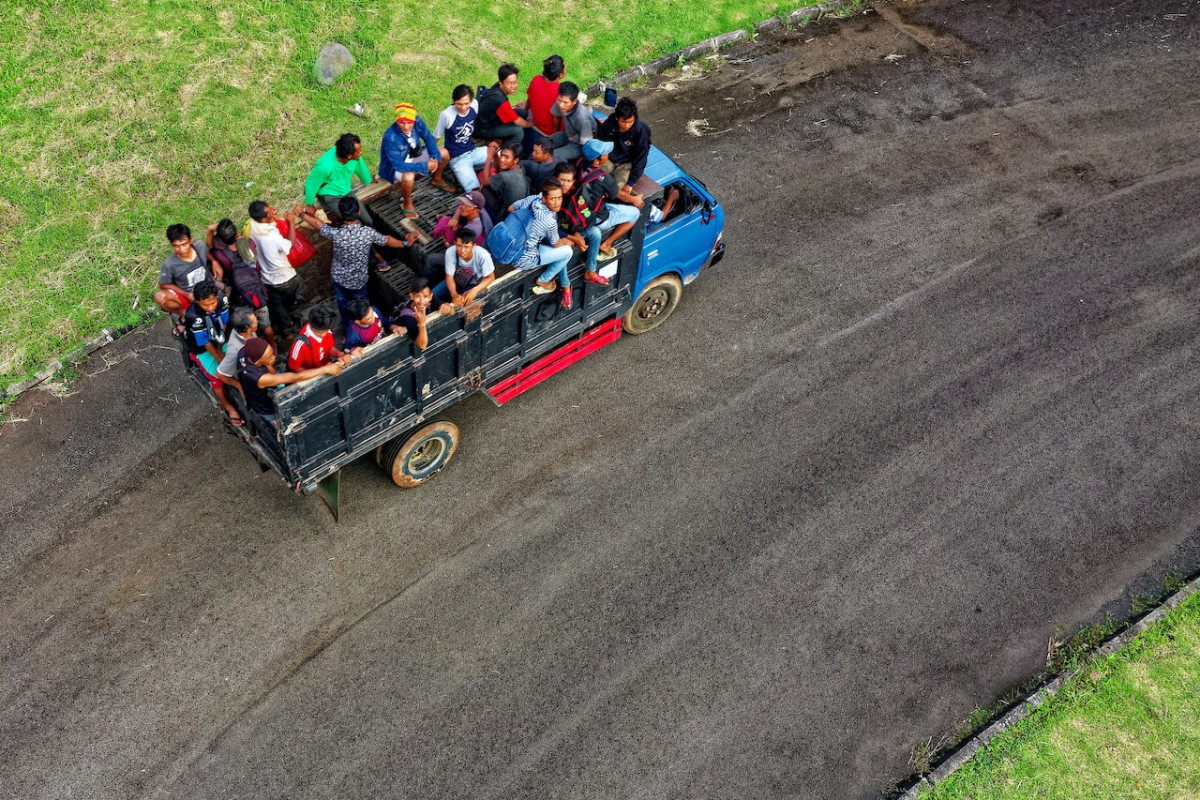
[330, 204]
[282, 301]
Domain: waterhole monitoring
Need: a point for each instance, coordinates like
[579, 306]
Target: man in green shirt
[332, 177]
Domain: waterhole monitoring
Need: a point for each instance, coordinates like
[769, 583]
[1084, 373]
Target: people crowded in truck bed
[235, 299]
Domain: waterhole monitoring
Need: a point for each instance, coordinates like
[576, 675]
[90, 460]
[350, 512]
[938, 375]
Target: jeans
[465, 166]
[556, 260]
[435, 273]
[618, 214]
[330, 203]
[344, 296]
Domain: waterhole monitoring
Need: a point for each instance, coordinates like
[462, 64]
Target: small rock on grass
[332, 62]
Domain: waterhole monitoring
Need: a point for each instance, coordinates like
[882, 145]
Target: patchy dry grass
[123, 116]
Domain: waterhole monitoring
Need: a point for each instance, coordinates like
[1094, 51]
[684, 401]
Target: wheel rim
[653, 304]
[426, 456]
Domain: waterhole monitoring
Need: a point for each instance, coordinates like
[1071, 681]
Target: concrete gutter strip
[968, 749]
[714, 45]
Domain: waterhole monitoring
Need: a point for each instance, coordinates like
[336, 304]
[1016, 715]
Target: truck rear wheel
[656, 302]
[416, 457]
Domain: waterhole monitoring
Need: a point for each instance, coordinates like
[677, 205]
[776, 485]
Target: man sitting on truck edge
[314, 345]
[630, 138]
[256, 374]
[332, 177]
[543, 244]
[352, 241]
[245, 325]
[248, 289]
[207, 323]
[182, 270]
[594, 206]
[285, 289]
[456, 128]
[409, 317]
[578, 123]
[497, 118]
[408, 150]
[367, 324]
[465, 271]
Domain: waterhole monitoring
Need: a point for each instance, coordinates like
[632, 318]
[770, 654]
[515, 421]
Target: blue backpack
[507, 240]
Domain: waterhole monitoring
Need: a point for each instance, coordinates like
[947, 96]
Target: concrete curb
[966, 751]
[715, 44]
[77, 356]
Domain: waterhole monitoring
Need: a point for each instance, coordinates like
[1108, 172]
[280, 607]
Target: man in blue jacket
[408, 150]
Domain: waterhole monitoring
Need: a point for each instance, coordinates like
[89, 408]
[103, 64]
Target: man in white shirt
[285, 290]
[466, 271]
[456, 129]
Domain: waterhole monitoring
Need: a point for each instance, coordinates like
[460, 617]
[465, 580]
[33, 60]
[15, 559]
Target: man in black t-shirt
[256, 374]
[630, 138]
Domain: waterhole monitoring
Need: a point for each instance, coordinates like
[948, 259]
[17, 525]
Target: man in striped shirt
[543, 245]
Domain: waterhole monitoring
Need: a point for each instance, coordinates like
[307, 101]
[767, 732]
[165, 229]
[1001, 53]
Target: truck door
[680, 243]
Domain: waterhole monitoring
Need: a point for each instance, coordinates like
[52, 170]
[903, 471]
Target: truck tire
[656, 302]
[417, 456]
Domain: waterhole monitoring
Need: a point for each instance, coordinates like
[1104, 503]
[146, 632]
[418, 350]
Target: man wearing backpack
[248, 289]
[592, 209]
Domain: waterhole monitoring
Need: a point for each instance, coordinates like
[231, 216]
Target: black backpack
[247, 284]
[577, 210]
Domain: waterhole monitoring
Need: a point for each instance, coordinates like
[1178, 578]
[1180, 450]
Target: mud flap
[327, 489]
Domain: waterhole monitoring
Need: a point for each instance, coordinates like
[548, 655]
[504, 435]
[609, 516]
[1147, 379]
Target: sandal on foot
[566, 298]
[445, 187]
[543, 288]
[603, 256]
[237, 421]
[411, 213]
[592, 277]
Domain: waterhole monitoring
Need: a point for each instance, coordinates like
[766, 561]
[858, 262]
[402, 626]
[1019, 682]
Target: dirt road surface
[937, 405]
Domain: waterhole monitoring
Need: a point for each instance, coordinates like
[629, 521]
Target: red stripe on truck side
[559, 359]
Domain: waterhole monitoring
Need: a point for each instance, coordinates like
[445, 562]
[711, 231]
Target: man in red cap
[408, 150]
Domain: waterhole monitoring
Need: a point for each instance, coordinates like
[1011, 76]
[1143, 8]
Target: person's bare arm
[470, 295]
[293, 225]
[627, 195]
[422, 340]
[407, 241]
[286, 378]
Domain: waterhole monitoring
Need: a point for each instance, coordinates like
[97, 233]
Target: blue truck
[390, 403]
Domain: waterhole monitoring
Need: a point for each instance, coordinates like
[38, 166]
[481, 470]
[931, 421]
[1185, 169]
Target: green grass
[1125, 726]
[122, 116]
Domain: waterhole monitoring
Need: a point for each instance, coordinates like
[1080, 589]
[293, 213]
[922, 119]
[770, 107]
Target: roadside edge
[1041, 694]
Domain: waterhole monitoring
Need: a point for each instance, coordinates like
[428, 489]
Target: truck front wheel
[656, 302]
[416, 457]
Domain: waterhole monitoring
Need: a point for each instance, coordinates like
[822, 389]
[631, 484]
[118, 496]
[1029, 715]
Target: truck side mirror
[706, 212]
